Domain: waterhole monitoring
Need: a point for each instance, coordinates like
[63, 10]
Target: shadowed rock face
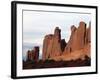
[88, 34]
[63, 44]
[52, 45]
[33, 55]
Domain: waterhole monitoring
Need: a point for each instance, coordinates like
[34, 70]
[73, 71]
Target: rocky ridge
[78, 46]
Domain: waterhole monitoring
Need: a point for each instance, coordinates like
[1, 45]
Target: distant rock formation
[78, 45]
[52, 44]
[33, 55]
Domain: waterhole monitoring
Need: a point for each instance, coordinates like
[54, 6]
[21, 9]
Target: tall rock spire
[77, 38]
[52, 45]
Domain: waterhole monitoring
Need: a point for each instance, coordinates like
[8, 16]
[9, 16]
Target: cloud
[41, 23]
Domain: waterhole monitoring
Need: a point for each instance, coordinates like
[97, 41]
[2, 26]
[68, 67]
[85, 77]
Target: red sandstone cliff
[77, 47]
[52, 45]
[77, 39]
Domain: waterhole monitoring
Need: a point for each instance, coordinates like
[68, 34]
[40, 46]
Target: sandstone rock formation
[78, 54]
[78, 46]
[33, 55]
[59, 53]
[77, 38]
[79, 42]
[52, 44]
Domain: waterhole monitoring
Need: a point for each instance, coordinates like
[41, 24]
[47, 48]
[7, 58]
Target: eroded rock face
[52, 44]
[77, 38]
[33, 55]
[78, 46]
